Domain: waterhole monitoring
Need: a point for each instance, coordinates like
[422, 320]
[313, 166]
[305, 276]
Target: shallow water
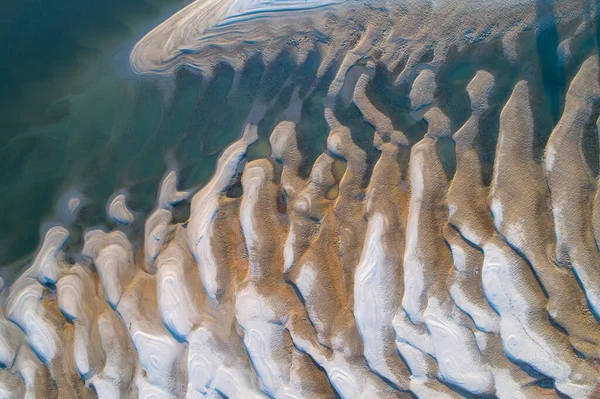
[83, 124]
[76, 120]
[74, 116]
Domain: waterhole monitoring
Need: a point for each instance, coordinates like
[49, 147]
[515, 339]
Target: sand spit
[396, 267]
[118, 210]
[205, 33]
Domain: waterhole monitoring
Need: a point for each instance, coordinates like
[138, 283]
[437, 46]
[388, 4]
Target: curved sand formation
[404, 274]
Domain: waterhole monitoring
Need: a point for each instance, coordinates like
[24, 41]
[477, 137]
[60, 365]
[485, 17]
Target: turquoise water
[74, 116]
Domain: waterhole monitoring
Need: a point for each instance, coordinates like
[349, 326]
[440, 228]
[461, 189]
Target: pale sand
[421, 281]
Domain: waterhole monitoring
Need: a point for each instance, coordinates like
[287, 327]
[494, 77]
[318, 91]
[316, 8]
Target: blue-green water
[74, 118]
[73, 115]
[77, 120]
